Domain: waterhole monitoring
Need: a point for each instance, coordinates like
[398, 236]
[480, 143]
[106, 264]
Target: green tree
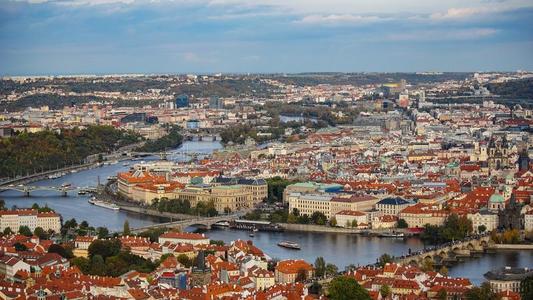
[402, 223]
[331, 269]
[8, 231]
[102, 232]
[481, 228]
[39, 232]
[443, 271]
[82, 263]
[318, 218]
[2, 204]
[25, 230]
[333, 221]
[526, 288]
[442, 294]
[315, 288]
[126, 230]
[301, 275]
[97, 266]
[184, 260]
[483, 292]
[385, 290]
[427, 265]
[384, 259]
[66, 253]
[20, 247]
[104, 248]
[320, 266]
[354, 223]
[346, 288]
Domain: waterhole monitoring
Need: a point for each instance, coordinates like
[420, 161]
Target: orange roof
[291, 266]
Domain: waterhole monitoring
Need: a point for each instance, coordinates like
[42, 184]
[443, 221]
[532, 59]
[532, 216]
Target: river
[340, 249]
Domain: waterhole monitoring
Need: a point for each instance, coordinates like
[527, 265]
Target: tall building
[216, 103]
[182, 101]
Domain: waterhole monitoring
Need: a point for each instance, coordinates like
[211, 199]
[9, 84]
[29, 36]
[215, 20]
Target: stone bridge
[182, 224]
[449, 252]
[26, 189]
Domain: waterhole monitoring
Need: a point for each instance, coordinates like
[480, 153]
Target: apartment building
[31, 218]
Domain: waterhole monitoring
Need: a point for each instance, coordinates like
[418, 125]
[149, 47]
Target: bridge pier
[26, 193]
[64, 193]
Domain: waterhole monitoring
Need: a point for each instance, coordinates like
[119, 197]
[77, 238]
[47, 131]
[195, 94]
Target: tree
[385, 290]
[2, 204]
[20, 247]
[346, 288]
[315, 288]
[354, 223]
[331, 269]
[82, 263]
[333, 221]
[384, 259]
[102, 232]
[8, 231]
[402, 223]
[295, 212]
[104, 248]
[301, 275]
[126, 230]
[184, 260]
[39, 231]
[97, 266]
[66, 253]
[481, 228]
[84, 224]
[71, 223]
[320, 266]
[25, 230]
[427, 265]
[318, 218]
[483, 292]
[443, 271]
[442, 294]
[526, 288]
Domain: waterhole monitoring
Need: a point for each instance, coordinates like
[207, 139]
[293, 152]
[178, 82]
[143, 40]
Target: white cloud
[337, 19]
[443, 35]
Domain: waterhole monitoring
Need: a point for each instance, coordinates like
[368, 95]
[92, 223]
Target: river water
[339, 249]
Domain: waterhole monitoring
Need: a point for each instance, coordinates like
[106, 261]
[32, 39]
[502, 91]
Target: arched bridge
[448, 252]
[27, 189]
[182, 224]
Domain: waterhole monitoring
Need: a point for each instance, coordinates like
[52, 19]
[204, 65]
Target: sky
[42, 37]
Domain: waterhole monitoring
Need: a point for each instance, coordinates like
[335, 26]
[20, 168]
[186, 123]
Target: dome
[496, 198]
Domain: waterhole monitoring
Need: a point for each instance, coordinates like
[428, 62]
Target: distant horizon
[257, 73]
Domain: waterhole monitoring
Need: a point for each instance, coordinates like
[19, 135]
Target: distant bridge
[182, 224]
[448, 252]
[27, 189]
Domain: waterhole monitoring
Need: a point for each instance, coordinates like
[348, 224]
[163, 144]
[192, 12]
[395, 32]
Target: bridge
[26, 189]
[449, 252]
[182, 224]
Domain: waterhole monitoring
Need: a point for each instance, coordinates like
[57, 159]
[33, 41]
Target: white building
[346, 218]
[484, 217]
[31, 218]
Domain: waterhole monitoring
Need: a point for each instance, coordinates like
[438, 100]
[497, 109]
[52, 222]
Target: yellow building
[234, 197]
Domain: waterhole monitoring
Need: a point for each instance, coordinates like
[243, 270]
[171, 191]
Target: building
[352, 202]
[307, 204]
[223, 197]
[31, 218]
[184, 238]
[290, 271]
[349, 218]
[392, 205]
[257, 187]
[485, 218]
[182, 101]
[310, 187]
[10, 265]
[81, 245]
[421, 214]
[216, 103]
[507, 278]
[528, 221]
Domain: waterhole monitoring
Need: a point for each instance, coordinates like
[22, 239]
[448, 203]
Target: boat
[104, 204]
[82, 192]
[289, 245]
[223, 224]
[54, 176]
[66, 185]
[252, 234]
[125, 164]
[392, 234]
[255, 230]
[111, 177]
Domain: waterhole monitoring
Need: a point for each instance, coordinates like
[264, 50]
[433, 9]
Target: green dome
[496, 198]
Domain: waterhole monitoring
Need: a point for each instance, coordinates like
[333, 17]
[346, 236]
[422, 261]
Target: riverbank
[317, 228]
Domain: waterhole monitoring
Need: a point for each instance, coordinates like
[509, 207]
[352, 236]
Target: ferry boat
[223, 224]
[54, 176]
[392, 234]
[252, 234]
[104, 204]
[289, 245]
[111, 177]
[66, 185]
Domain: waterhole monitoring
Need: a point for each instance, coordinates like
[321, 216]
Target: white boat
[104, 204]
[289, 245]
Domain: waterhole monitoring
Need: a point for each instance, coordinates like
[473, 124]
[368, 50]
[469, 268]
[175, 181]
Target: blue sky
[200, 36]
